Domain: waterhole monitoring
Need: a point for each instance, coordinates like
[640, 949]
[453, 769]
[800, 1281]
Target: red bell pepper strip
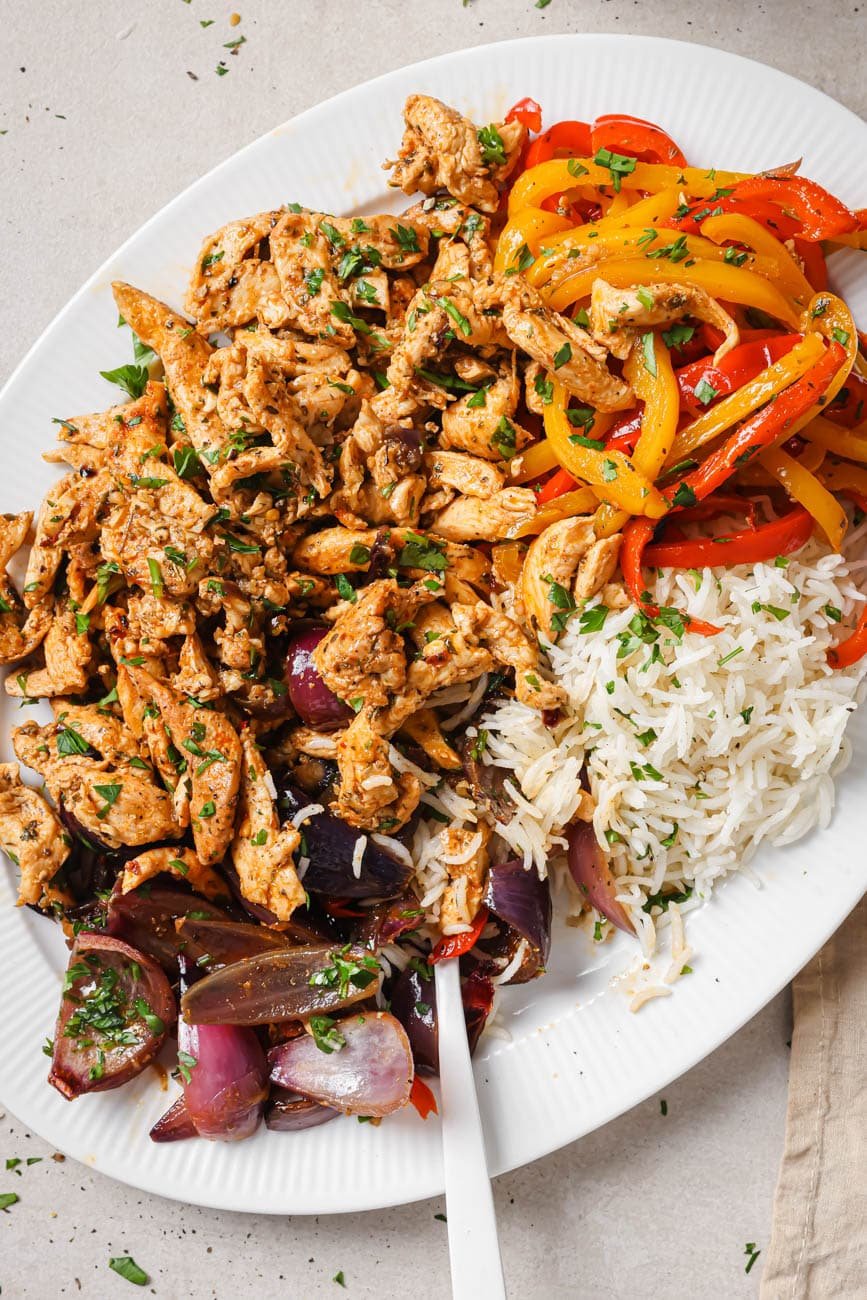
[760, 430]
[528, 113]
[636, 537]
[767, 214]
[750, 546]
[455, 945]
[560, 481]
[635, 138]
[625, 432]
[342, 907]
[734, 370]
[422, 1098]
[849, 407]
[813, 258]
[719, 504]
[566, 137]
[854, 647]
[819, 213]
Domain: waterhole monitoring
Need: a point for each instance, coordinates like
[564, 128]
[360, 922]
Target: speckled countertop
[107, 110]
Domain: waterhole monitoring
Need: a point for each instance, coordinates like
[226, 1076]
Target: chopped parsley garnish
[325, 1036]
[678, 335]
[684, 496]
[705, 392]
[346, 971]
[493, 148]
[648, 348]
[617, 164]
[504, 439]
[345, 588]
[675, 252]
[132, 379]
[750, 1249]
[544, 389]
[313, 280]
[562, 600]
[359, 554]
[593, 620]
[405, 237]
[419, 552]
[562, 355]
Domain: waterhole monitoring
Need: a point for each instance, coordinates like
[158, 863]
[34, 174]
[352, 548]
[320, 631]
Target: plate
[577, 1057]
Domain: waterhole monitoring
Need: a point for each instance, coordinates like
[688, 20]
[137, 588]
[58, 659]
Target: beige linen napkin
[818, 1247]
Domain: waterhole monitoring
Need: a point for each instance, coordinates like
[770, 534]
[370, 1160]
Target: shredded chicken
[262, 850]
[30, 834]
[618, 315]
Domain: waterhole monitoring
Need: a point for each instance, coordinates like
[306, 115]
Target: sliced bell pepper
[636, 538]
[768, 215]
[422, 1098]
[533, 463]
[735, 369]
[613, 474]
[719, 279]
[560, 482]
[528, 113]
[815, 267]
[570, 137]
[719, 504]
[847, 443]
[750, 546]
[527, 230]
[740, 229]
[582, 501]
[848, 481]
[624, 432]
[455, 945]
[849, 407]
[658, 390]
[820, 214]
[854, 647]
[636, 138]
[560, 174]
[803, 487]
[738, 405]
[765, 427]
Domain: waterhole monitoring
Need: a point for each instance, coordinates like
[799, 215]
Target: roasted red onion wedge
[522, 902]
[286, 985]
[213, 944]
[286, 1112]
[115, 1012]
[175, 1125]
[371, 1073]
[146, 918]
[593, 876]
[414, 1002]
[311, 699]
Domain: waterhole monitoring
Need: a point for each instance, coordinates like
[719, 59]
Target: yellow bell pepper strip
[647, 213]
[848, 443]
[615, 474]
[580, 502]
[741, 229]
[738, 405]
[719, 279]
[525, 232]
[634, 241]
[539, 183]
[773, 422]
[533, 463]
[803, 487]
[848, 481]
[858, 239]
[828, 315]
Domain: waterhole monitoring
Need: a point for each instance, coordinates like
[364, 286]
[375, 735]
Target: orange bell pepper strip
[848, 481]
[583, 501]
[559, 174]
[819, 213]
[523, 235]
[750, 546]
[636, 138]
[636, 538]
[742, 403]
[848, 443]
[528, 113]
[646, 214]
[737, 228]
[848, 652]
[774, 421]
[533, 463]
[455, 945]
[422, 1098]
[719, 279]
[588, 461]
[768, 215]
[803, 487]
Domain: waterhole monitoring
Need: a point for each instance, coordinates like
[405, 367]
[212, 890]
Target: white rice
[358, 855]
[304, 814]
[737, 736]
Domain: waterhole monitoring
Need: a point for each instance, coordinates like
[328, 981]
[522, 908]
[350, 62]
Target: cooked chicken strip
[371, 795]
[574, 357]
[470, 475]
[231, 284]
[618, 315]
[511, 648]
[262, 850]
[179, 862]
[67, 653]
[30, 834]
[424, 728]
[463, 894]
[469, 519]
[487, 428]
[441, 149]
[553, 557]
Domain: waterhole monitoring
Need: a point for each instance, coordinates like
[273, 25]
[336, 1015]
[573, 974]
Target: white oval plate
[577, 1057]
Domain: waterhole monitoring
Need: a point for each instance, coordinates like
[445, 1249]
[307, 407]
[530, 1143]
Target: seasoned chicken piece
[212, 750]
[316, 744]
[574, 357]
[466, 230]
[441, 149]
[618, 315]
[469, 475]
[67, 654]
[511, 648]
[20, 633]
[156, 536]
[30, 834]
[302, 247]
[534, 391]
[391, 454]
[486, 427]
[445, 658]
[143, 720]
[179, 862]
[463, 894]
[196, 675]
[184, 354]
[363, 658]
[566, 551]
[92, 441]
[394, 243]
[233, 283]
[469, 519]
[262, 850]
[371, 795]
[114, 800]
[424, 728]
[68, 517]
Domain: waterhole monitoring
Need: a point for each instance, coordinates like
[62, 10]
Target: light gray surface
[103, 125]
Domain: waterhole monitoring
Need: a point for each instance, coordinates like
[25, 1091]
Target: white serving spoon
[474, 1248]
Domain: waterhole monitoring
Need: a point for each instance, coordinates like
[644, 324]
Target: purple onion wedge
[311, 699]
[146, 918]
[286, 1112]
[175, 1125]
[593, 876]
[288, 984]
[522, 901]
[371, 1074]
[414, 1002]
[213, 943]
